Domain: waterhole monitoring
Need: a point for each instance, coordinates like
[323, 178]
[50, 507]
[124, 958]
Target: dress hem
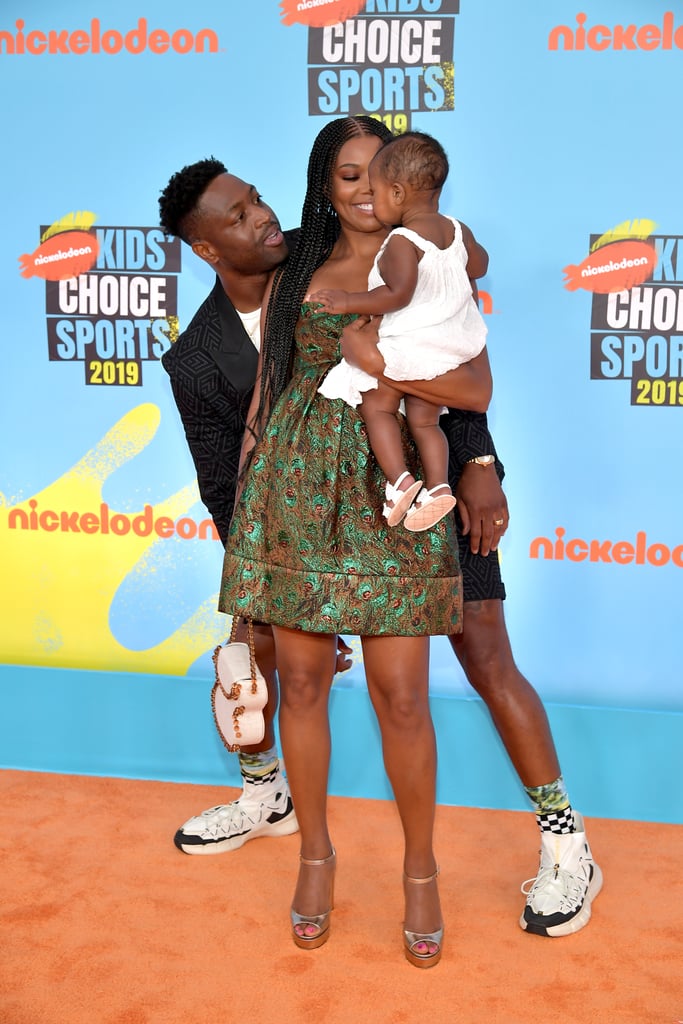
[341, 602]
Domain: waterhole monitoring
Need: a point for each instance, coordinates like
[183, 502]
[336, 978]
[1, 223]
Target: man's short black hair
[179, 202]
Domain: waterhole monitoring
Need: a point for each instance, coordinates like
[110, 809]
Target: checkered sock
[260, 773]
[560, 822]
[553, 810]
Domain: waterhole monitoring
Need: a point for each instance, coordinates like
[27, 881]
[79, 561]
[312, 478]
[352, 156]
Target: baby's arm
[477, 256]
[398, 267]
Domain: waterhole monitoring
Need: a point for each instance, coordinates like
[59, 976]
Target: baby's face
[383, 197]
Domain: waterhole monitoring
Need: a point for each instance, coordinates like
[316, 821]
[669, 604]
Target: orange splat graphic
[325, 12]
[613, 268]
[61, 256]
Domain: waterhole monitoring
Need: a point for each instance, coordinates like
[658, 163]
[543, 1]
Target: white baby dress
[438, 330]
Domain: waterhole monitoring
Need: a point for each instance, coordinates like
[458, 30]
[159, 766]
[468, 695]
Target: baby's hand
[332, 300]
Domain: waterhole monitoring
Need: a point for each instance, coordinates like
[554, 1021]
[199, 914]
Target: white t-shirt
[252, 325]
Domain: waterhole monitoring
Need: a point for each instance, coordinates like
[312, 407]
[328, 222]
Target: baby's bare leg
[423, 421]
[378, 409]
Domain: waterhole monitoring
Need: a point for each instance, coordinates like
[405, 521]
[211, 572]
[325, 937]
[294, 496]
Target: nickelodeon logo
[109, 41]
[104, 521]
[619, 260]
[619, 37]
[620, 552]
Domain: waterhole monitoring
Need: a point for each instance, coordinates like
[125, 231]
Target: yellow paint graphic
[173, 328]
[58, 586]
[640, 228]
[448, 84]
[81, 220]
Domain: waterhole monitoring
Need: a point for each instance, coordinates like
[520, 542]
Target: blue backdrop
[560, 124]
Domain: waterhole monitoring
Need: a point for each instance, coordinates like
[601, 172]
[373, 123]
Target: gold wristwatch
[483, 460]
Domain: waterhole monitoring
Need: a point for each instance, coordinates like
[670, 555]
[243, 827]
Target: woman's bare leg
[397, 670]
[306, 665]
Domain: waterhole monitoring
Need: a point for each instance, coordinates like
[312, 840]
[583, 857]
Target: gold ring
[498, 522]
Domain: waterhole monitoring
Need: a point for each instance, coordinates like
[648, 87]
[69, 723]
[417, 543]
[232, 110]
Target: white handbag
[239, 694]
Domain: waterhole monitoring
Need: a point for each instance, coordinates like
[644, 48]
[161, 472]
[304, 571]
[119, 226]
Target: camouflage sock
[553, 810]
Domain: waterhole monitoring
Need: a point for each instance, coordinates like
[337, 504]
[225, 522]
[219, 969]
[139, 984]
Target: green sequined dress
[308, 546]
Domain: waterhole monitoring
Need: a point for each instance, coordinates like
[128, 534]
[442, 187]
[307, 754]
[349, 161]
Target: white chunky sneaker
[568, 880]
[229, 826]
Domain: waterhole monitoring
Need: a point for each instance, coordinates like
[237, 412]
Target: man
[212, 368]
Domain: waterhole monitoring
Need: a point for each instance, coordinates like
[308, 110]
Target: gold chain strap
[233, 631]
[252, 647]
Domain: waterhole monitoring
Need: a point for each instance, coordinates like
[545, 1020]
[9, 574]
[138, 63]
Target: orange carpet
[105, 922]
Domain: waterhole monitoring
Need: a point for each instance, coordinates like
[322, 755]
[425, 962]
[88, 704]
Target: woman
[309, 553]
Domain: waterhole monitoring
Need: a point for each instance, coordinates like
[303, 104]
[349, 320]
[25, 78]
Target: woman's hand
[344, 662]
[469, 387]
[359, 346]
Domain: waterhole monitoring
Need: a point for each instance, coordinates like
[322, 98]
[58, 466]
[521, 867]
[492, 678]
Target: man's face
[237, 231]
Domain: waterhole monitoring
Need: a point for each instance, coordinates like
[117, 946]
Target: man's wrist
[482, 460]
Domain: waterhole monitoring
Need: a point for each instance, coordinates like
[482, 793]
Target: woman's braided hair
[319, 232]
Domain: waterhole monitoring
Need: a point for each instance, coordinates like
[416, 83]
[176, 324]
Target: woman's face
[350, 193]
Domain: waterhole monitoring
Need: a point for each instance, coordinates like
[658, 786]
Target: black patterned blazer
[212, 367]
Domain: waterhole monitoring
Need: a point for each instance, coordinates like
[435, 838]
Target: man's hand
[359, 345]
[332, 300]
[344, 662]
[482, 506]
